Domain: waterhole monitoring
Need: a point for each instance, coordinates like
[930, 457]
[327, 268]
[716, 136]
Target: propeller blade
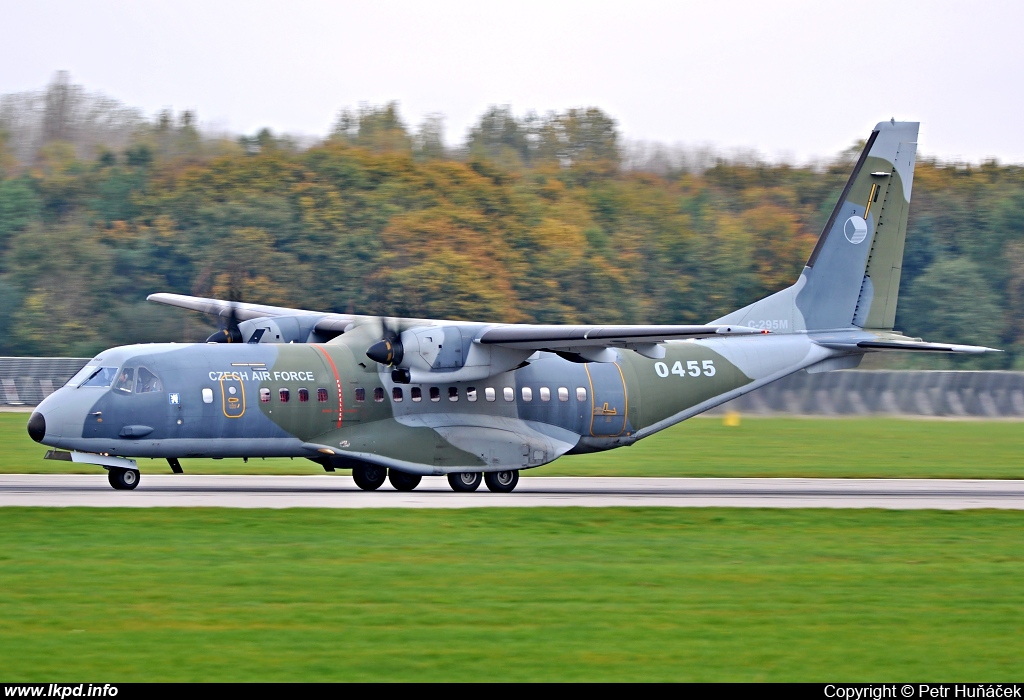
[229, 332]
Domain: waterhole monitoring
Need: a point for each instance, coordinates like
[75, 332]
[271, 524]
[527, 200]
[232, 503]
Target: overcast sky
[789, 78]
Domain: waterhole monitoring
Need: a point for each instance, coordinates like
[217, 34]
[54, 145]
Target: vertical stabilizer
[852, 277]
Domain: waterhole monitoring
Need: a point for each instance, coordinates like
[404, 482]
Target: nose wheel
[123, 479]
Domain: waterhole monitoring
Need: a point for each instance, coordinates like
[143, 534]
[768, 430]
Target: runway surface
[336, 491]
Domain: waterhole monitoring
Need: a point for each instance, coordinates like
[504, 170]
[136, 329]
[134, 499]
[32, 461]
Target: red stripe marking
[337, 380]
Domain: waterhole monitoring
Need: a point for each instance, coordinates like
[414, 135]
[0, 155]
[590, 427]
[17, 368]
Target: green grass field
[805, 447]
[510, 594]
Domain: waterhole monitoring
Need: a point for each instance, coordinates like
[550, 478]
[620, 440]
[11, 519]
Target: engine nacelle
[451, 354]
[283, 329]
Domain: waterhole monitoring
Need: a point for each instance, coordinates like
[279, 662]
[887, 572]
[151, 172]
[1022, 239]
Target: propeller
[229, 332]
[388, 350]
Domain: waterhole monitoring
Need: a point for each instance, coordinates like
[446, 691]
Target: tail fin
[852, 278]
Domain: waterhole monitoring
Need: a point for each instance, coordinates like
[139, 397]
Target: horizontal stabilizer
[906, 346]
[924, 347]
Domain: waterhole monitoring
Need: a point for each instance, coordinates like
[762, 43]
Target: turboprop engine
[443, 353]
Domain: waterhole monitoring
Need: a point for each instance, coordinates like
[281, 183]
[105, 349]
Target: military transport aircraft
[401, 398]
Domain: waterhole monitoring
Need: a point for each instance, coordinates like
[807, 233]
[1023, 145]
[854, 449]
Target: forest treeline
[533, 219]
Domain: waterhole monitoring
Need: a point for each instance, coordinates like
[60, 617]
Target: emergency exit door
[608, 399]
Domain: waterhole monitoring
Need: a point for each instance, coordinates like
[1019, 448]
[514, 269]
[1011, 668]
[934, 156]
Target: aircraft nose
[37, 427]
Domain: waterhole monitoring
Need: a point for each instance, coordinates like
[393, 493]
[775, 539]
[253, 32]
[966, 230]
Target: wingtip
[973, 349]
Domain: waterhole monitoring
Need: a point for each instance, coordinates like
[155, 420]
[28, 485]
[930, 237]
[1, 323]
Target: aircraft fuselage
[329, 402]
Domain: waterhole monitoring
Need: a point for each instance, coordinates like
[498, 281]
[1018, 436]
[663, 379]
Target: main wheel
[464, 481]
[502, 482]
[369, 477]
[123, 479]
[403, 481]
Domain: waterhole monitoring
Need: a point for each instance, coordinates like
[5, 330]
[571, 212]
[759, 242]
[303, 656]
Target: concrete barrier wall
[25, 381]
[883, 392]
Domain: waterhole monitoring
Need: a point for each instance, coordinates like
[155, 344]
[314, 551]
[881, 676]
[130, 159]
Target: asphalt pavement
[337, 491]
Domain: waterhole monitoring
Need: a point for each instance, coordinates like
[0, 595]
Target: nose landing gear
[123, 479]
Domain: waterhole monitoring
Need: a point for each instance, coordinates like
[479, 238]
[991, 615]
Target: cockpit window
[125, 380]
[146, 382]
[81, 375]
[99, 376]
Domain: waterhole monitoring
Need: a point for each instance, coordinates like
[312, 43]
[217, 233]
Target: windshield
[81, 375]
[100, 376]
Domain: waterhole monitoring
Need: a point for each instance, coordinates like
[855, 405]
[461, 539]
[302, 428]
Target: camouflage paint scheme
[620, 389]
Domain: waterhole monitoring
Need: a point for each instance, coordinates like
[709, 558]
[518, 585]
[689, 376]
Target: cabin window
[417, 393]
[509, 393]
[453, 393]
[396, 393]
[527, 394]
[471, 394]
[147, 382]
[264, 395]
[208, 395]
[283, 395]
[435, 394]
[581, 394]
[489, 393]
[125, 380]
[563, 393]
[321, 395]
[360, 395]
[545, 394]
[303, 395]
[378, 394]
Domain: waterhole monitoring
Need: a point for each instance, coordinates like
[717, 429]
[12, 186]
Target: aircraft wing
[586, 339]
[221, 308]
[579, 343]
[530, 337]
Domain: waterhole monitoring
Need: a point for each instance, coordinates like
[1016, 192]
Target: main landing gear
[498, 482]
[464, 481]
[370, 477]
[123, 479]
[502, 482]
[403, 481]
